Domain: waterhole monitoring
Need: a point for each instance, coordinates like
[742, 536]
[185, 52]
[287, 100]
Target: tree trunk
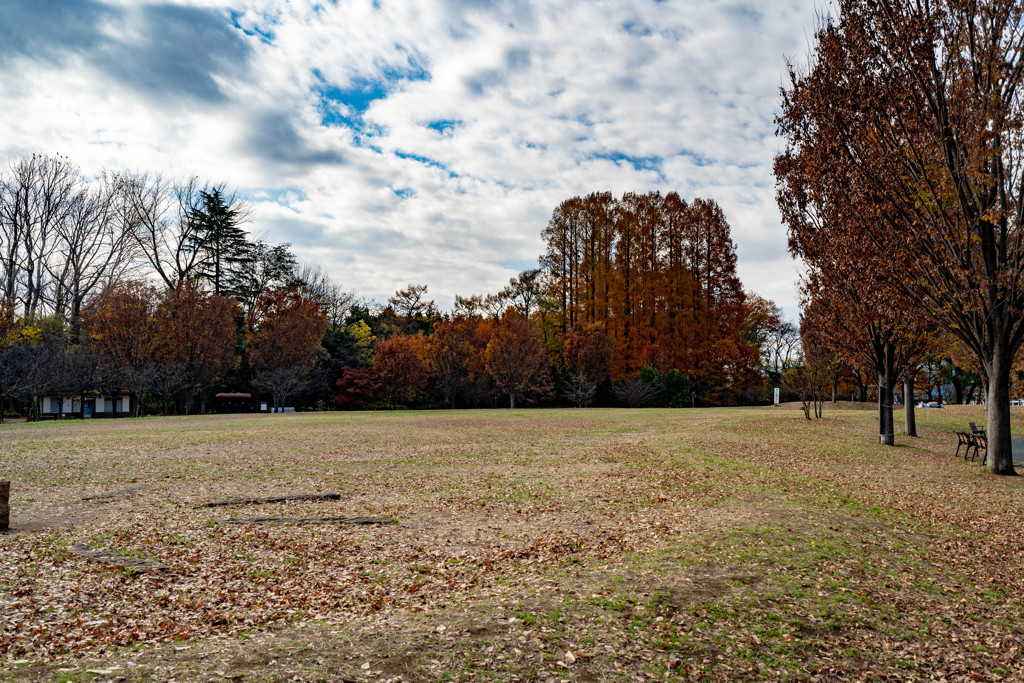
[886, 431]
[886, 434]
[512, 398]
[909, 418]
[5, 508]
[1000, 454]
[958, 390]
[835, 389]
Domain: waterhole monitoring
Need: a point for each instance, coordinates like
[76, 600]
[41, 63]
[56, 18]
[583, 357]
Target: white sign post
[776, 396]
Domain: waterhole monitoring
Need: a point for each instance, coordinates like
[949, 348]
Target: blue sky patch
[427, 162]
[346, 106]
[698, 159]
[638, 163]
[445, 126]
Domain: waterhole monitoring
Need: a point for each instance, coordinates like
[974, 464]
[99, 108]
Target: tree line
[901, 187]
[134, 283]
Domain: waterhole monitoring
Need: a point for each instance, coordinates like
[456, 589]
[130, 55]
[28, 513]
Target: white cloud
[545, 100]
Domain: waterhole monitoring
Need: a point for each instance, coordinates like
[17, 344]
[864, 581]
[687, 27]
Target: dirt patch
[56, 517]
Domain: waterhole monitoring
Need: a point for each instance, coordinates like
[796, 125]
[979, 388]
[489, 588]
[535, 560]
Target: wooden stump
[5, 505]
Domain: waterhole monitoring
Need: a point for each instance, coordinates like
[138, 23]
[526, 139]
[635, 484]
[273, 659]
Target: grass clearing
[543, 544]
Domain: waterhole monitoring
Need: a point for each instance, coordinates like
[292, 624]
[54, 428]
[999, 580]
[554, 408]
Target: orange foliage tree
[285, 331]
[452, 355]
[121, 324]
[197, 341]
[401, 369]
[516, 358]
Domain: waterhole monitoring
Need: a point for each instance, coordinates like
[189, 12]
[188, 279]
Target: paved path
[1018, 449]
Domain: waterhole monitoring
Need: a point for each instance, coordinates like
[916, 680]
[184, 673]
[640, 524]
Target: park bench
[975, 439]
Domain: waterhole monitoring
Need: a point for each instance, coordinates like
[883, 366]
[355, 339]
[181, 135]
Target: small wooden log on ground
[5, 505]
[311, 520]
[116, 494]
[276, 499]
[132, 564]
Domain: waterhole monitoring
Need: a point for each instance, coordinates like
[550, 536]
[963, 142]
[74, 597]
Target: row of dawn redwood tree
[657, 276]
[902, 185]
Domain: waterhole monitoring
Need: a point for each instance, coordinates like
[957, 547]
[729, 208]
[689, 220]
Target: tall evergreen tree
[225, 245]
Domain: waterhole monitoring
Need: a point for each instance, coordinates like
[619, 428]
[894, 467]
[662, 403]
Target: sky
[418, 141]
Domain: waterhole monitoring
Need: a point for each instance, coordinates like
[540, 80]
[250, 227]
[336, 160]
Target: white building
[95, 406]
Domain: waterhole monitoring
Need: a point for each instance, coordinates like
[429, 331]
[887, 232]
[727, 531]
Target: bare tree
[93, 249]
[317, 284]
[137, 380]
[579, 389]
[164, 222]
[782, 344]
[36, 199]
[635, 392]
[168, 380]
[282, 382]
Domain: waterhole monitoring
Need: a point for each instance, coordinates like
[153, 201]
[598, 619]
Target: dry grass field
[593, 545]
